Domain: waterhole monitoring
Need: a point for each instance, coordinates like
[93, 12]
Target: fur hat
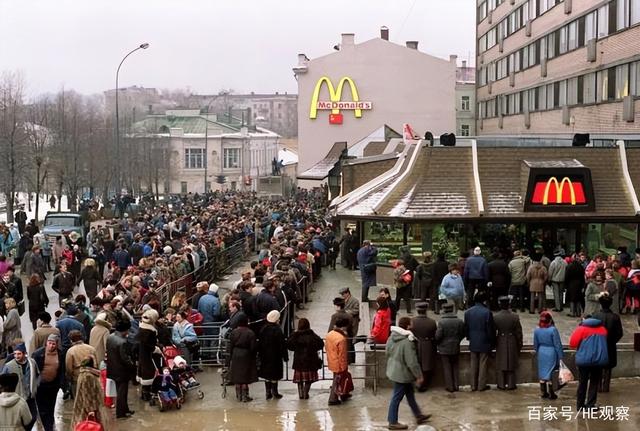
[273, 316]
[167, 249]
[213, 288]
[123, 325]
[150, 316]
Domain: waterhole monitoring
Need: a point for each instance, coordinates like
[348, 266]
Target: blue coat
[476, 268]
[479, 329]
[67, 325]
[367, 257]
[209, 307]
[548, 347]
[452, 287]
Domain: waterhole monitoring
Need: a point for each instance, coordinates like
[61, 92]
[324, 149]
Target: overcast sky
[207, 45]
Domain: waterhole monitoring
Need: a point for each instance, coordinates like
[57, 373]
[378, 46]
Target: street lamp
[206, 142]
[142, 46]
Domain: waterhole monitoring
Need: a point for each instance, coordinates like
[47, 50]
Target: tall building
[558, 66]
[465, 100]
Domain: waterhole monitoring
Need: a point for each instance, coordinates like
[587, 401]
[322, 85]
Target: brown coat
[337, 352]
[98, 339]
[75, 355]
[40, 336]
[537, 277]
[508, 340]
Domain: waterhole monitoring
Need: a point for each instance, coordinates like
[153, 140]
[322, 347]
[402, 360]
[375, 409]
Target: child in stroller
[185, 376]
[168, 393]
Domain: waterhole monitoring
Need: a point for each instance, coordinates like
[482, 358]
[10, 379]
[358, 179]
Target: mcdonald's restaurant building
[503, 194]
[346, 95]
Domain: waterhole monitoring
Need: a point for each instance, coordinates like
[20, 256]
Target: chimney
[348, 39]
[412, 44]
[453, 59]
[384, 32]
[464, 63]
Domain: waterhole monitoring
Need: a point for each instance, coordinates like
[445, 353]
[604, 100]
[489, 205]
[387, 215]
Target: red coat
[381, 326]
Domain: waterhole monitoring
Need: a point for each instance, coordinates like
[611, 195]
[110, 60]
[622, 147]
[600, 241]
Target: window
[622, 15]
[573, 35]
[525, 57]
[492, 37]
[231, 158]
[551, 45]
[533, 99]
[482, 44]
[534, 53]
[563, 40]
[635, 11]
[606, 80]
[590, 26]
[533, 9]
[464, 130]
[542, 97]
[603, 21]
[622, 81]
[465, 103]
[492, 72]
[514, 62]
[572, 92]
[183, 187]
[194, 158]
[551, 100]
[635, 78]
[482, 11]
[589, 88]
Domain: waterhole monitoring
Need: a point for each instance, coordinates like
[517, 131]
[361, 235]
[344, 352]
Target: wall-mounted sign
[335, 103]
[568, 189]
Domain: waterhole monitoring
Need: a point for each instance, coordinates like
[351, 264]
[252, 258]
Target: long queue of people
[102, 340]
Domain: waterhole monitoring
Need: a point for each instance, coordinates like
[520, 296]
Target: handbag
[344, 384]
[89, 424]
[21, 307]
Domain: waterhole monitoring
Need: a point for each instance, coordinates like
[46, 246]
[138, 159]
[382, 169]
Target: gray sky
[206, 45]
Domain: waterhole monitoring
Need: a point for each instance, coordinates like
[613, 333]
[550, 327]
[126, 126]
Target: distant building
[276, 112]
[191, 148]
[465, 100]
[347, 93]
[558, 66]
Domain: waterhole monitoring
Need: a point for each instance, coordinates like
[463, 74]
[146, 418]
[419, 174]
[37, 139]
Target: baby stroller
[165, 390]
[185, 377]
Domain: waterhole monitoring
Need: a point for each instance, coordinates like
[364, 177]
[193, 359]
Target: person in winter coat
[63, 283]
[91, 278]
[424, 330]
[402, 280]
[518, 267]
[184, 336]
[590, 341]
[557, 275]
[119, 365]
[537, 278]
[78, 352]
[242, 359]
[305, 345]
[90, 398]
[475, 275]
[452, 286]
[41, 335]
[403, 370]
[508, 344]
[613, 325]
[548, 347]
[209, 305]
[423, 278]
[99, 334]
[147, 338]
[12, 326]
[272, 351]
[50, 362]
[367, 258]
[381, 322]
[574, 283]
[338, 359]
[38, 299]
[499, 279]
[27, 371]
[14, 411]
[449, 334]
[612, 287]
[440, 269]
[480, 331]
[592, 294]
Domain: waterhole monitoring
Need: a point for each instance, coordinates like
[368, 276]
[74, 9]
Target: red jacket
[381, 326]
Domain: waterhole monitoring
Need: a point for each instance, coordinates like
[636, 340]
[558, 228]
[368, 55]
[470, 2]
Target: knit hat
[213, 288]
[273, 316]
[167, 249]
[150, 316]
[71, 309]
[123, 325]
[179, 360]
[20, 348]
[53, 337]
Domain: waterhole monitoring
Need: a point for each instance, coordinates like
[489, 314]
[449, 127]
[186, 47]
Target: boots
[274, 390]
[268, 389]
[307, 386]
[245, 395]
[239, 392]
[301, 390]
[552, 395]
[543, 390]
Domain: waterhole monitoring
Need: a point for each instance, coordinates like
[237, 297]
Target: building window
[590, 88]
[635, 11]
[465, 103]
[194, 158]
[603, 21]
[464, 130]
[622, 15]
[572, 29]
[622, 81]
[183, 187]
[231, 158]
[635, 78]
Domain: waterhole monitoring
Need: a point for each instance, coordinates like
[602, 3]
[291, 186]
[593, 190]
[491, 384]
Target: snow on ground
[44, 207]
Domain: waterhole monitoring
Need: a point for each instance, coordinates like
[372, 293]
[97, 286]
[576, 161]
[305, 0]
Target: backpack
[593, 352]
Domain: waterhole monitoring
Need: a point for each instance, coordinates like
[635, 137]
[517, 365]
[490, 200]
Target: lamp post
[142, 46]
[206, 143]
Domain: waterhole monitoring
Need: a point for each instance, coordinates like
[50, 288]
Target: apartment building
[465, 100]
[558, 66]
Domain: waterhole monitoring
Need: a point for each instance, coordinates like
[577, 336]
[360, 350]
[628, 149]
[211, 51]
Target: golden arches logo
[335, 103]
[559, 189]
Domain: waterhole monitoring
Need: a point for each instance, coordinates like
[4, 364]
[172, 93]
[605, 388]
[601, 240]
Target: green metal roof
[189, 124]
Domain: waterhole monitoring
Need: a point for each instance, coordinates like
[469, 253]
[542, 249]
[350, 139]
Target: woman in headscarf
[91, 278]
[548, 347]
[272, 350]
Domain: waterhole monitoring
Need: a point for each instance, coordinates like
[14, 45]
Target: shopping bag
[564, 374]
[344, 385]
[89, 424]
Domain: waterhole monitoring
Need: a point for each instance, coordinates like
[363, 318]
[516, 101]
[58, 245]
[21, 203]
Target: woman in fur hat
[148, 339]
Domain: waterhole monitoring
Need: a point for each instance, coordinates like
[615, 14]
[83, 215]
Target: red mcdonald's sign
[554, 192]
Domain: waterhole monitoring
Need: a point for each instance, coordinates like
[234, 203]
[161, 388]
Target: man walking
[557, 273]
[63, 284]
[77, 353]
[27, 371]
[50, 362]
[449, 334]
[120, 366]
[480, 331]
[508, 344]
[424, 329]
[403, 369]
[367, 258]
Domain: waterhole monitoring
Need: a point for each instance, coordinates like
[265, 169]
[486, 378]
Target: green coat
[402, 358]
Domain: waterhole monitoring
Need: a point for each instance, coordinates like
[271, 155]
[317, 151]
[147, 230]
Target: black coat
[449, 334]
[423, 281]
[91, 278]
[508, 340]
[272, 350]
[119, 362]
[38, 300]
[611, 321]
[242, 356]
[574, 282]
[424, 329]
[440, 269]
[499, 276]
[305, 345]
[479, 329]
[147, 340]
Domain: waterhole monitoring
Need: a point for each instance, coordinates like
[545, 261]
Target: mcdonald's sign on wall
[335, 103]
[568, 189]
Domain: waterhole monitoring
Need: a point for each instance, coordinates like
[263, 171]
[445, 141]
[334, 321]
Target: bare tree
[39, 138]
